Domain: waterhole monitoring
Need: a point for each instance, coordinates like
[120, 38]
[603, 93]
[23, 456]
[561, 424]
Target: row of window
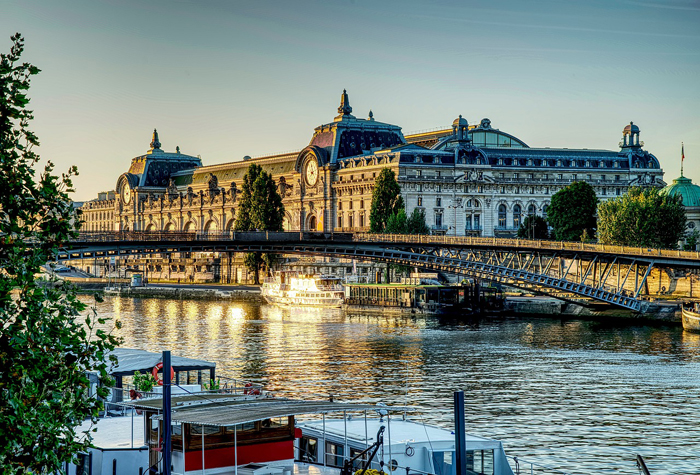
[350, 205]
[563, 163]
[517, 215]
[560, 176]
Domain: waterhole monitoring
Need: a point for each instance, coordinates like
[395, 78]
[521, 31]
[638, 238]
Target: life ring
[250, 390]
[158, 379]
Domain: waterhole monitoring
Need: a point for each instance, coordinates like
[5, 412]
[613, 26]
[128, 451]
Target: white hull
[304, 301]
[691, 321]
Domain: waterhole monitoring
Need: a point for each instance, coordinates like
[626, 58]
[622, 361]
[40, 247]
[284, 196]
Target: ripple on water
[581, 397]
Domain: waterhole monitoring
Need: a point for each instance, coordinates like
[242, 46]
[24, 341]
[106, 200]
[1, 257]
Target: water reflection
[580, 396]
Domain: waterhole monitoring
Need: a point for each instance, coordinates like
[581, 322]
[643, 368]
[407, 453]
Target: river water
[582, 397]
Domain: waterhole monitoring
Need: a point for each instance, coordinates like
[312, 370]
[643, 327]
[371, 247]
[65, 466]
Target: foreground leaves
[46, 349]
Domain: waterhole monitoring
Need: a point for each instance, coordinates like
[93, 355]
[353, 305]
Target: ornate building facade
[469, 179]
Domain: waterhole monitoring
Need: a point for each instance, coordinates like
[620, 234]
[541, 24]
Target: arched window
[531, 210]
[502, 216]
[517, 211]
[544, 211]
[312, 223]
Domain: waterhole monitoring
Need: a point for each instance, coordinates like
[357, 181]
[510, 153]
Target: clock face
[126, 194]
[311, 172]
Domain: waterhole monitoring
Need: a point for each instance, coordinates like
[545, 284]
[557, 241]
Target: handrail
[156, 236]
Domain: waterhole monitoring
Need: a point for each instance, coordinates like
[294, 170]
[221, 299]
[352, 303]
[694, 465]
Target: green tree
[572, 211]
[534, 227]
[691, 240]
[416, 223]
[386, 200]
[397, 223]
[46, 348]
[642, 217]
[260, 209]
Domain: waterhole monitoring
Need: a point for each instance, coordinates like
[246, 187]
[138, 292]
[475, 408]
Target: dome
[630, 128]
[684, 187]
[460, 121]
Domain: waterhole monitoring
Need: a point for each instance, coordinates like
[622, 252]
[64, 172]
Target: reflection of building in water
[468, 179]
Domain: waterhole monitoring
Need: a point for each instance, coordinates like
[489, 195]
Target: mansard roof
[348, 136]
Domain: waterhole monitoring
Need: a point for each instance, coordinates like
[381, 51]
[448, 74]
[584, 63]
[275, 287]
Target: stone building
[99, 214]
[469, 179]
[690, 194]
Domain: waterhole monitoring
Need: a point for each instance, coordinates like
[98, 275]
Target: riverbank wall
[547, 306]
[183, 293]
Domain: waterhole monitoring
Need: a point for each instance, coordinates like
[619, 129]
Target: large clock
[311, 172]
[126, 194]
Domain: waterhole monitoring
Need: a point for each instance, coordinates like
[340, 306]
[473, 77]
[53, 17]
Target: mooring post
[167, 442]
[460, 435]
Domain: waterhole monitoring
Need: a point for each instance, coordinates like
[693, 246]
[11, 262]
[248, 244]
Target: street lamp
[456, 203]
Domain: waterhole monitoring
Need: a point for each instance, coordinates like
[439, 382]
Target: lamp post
[456, 203]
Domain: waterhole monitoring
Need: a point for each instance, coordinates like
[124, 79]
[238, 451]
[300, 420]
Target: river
[579, 396]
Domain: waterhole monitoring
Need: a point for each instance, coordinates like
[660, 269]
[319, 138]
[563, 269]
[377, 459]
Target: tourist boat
[293, 289]
[691, 317]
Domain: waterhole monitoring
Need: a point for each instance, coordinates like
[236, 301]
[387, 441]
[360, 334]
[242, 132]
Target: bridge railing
[527, 244]
[156, 236]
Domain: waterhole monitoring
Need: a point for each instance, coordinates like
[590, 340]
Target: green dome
[684, 186]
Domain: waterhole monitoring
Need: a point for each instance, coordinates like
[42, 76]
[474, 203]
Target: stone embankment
[540, 306]
[182, 293]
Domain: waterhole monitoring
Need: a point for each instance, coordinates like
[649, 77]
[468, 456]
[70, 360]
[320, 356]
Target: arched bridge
[611, 274]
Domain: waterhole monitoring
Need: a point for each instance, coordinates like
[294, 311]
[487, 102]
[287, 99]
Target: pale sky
[224, 79]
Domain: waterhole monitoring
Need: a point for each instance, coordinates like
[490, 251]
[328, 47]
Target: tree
[260, 209]
[386, 200]
[534, 227]
[46, 348]
[572, 211]
[416, 223]
[397, 223]
[642, 217]
[691, 240]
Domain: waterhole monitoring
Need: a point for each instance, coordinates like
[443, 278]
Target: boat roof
[115, 432]
[131, 360]
[188, 400]
[398, 431]
[239, 411]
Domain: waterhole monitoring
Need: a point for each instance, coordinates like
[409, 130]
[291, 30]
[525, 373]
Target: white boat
[408, 446]
[292, 289]
[691, 318]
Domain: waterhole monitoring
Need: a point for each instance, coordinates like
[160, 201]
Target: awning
[132, 360]
[255, 410]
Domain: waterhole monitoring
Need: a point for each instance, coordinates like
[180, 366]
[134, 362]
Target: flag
[682, 157]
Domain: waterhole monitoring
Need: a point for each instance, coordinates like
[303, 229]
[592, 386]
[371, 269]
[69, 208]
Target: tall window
[477, 221]
[438, 220]
[517, 211]
[420, 201]
[438, 202]
[544, 211]
[531, 210]
[340, 221]
[502, 216]
[362, 220]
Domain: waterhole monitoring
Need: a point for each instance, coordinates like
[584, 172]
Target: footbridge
[612, 274]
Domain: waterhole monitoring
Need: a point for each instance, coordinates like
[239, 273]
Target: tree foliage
[397, 223]
[572, 211]
[260, 209]
[46, 348]
[642, 217]
[534, 227]
[416, 223]
[386, 200]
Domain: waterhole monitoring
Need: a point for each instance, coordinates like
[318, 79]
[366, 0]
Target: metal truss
[616, 280]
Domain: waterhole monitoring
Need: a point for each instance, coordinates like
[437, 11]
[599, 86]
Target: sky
[225, 79]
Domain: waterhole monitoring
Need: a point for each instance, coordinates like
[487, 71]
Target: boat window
[479, 462]
[334, 454]
[241, 427]
[208, 430]
[308, 449]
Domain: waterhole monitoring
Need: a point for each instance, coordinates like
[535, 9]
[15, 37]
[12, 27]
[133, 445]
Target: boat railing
[114, 403]
[523, 467]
